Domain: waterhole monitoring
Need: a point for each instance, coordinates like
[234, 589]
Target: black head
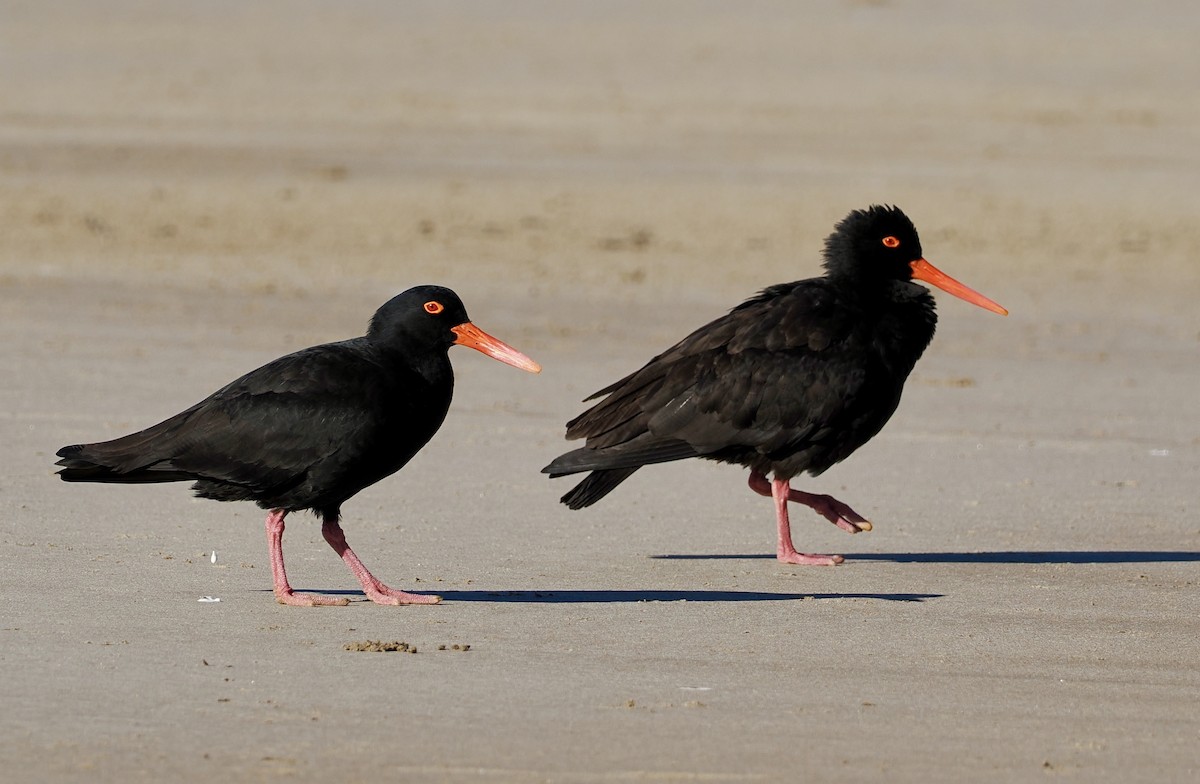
[421, 318]
[879, 243]
[429, 319]
[875, 247]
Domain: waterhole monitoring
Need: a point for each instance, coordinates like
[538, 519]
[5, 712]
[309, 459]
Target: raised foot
[827, 506]
[309, 599]
[833, 510]
[807, 559]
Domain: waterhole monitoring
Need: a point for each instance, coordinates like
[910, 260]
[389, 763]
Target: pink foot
[781, 492]
[382, 594]
[827, 506]
[375, 590]
[290, 597]
[832, 510]
[809, 559]
[397, 598]
[283, 591]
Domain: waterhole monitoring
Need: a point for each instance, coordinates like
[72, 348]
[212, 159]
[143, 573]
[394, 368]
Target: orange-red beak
[923, 270]
[474, 337]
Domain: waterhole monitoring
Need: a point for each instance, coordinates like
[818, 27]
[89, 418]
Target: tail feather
[597, 485]
[81, 463]
[144, 456]
[610, 466]
[634, 454]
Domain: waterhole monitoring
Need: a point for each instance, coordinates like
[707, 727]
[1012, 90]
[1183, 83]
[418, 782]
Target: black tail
[81, 464]
[641, 451]
[597, 485]
[611, 466]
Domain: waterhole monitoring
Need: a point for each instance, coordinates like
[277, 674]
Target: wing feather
[264, 431]
[773, 376]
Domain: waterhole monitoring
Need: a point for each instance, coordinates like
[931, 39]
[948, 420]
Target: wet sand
[189, 190]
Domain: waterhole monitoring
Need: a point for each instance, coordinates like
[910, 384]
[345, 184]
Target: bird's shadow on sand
[613, 596]
[632, 596]
[997, 557]
[616, 597]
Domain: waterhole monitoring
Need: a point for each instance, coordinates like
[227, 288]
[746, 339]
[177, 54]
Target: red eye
[891, 242]
[434, 307]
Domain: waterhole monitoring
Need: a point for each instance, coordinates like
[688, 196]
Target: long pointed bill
[923, 270]
[474, 337]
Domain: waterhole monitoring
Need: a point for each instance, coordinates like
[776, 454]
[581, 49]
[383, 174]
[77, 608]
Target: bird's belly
[348, 471]
[829, 444]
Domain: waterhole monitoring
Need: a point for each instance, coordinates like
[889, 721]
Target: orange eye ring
[434, 307]
[891, 242]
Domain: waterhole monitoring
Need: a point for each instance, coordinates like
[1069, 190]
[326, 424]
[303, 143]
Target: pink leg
[827, 506]
[375, 590]
[785, 550]
[283, 591]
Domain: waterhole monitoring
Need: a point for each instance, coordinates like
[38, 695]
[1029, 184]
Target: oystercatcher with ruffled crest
[791, 381]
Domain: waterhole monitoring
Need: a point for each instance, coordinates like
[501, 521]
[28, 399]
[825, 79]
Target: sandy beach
[188, 190]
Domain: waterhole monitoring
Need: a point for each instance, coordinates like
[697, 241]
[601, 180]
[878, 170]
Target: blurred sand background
[188, 190]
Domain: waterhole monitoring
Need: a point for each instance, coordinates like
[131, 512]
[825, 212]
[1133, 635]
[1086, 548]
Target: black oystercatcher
[311, 429]
[792, 380]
